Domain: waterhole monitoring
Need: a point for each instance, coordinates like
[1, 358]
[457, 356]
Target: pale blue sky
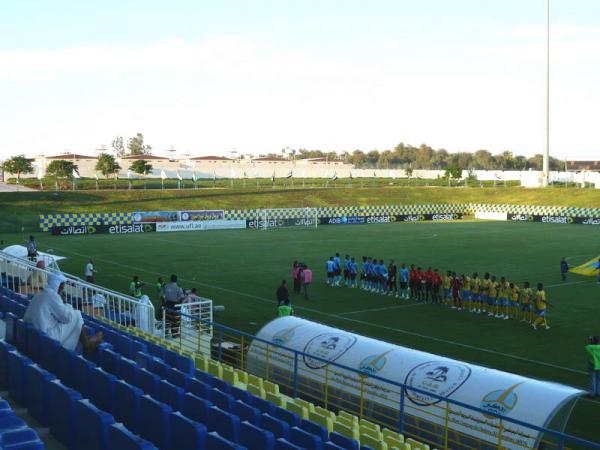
[257, 76]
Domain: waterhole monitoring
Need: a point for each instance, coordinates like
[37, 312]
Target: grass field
[242, 268]
[22, 209]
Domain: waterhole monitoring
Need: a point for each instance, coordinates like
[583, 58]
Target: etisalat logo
[591, 221]
[522, 217]
[131, 228]
[414, 218]
[557, 219]
[501, 401]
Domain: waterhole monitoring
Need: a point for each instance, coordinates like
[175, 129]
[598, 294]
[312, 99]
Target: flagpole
[546, 161]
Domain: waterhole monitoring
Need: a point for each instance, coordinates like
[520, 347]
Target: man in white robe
[48, 313]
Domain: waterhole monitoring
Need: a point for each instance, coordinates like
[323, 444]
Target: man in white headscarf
[48, 313]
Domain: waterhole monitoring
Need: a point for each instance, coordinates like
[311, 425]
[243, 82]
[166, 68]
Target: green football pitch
[241, 269]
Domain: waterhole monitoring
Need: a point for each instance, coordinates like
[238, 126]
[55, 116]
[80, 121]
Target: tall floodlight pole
[546, 162]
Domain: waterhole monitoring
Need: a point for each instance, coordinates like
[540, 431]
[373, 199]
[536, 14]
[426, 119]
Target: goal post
[287, 217]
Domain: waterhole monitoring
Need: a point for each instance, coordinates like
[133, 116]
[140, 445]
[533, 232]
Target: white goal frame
[266, 219]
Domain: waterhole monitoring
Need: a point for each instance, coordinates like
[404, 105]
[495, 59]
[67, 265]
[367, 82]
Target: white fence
[190, 324]
[24, 277]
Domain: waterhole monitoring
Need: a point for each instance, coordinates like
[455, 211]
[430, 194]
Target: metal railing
[441, 422]
[22, 276]
[189, 325]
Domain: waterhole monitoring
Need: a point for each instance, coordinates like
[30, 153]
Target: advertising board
[165, 227]
[130, 228]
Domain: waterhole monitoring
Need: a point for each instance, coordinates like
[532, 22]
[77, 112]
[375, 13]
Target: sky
[256, 76]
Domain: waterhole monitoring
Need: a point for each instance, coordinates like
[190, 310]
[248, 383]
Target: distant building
[577, 166]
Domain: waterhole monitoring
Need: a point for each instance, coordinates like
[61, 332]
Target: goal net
[287, 217]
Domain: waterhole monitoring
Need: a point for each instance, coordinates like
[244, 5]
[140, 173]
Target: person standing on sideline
[90, 271]
[285, 309]
[541, 305]
[296, 277]
[307, 276]
[173, 295]
[32, 252]
[593, 351]
[282, 293]
[135, 287]
[564, 268]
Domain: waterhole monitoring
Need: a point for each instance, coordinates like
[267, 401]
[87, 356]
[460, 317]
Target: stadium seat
[81, 371]
[148, 382]
[343, 441]
[255, 438]
[178, 378]
[156, 350]
[201, 362]
[63, 366]
[283, 444]
[33, 343]
[246, 412]
[417, 445]
[300, 410]
[242, 376]
[314, 428]
[158, 367]
[16, 376]
[103, 389]
[331, 446]
[48, 350]
[278, 427]
[91, 428]
[276, 399]
[121, 438]
[185, 364]
[216, 442]
[263, 405]
[127, 370]
[222, 400]
[187, 434]
[214, 368]
[10, 334]
[364, 429]
[196, 408]
[5, 348]
[255, 381]
[199, 388]
[391, 434]
[36, 381]
[61, 408]
[321, 420]
[305, 440]
[325, 412]
[155, 417]
[127, 405]
[256, 391]
[109, 360]
[350, 417]
[308, 405]
[221, 385]
[292, 419]
[144, 360]
[21, 336]
[373, 442]
[224, 423]
[20, 439]
[170, 395]
[271, 387]
[346, 430]
[241, 394]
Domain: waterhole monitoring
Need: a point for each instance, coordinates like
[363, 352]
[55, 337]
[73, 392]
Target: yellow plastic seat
[187, 354]
[298, 409]
[255, 390]
[276, 399]
[325, 421]
[215, 369]
[368, 424]
[348, 416]
[347, 422]
[392, 437]
[201, 363]
[417, 445]
[231, 377]
[254, 380]
[374, 443]
[308, 405]
[393, 443]
[325, 412]
[242, 376]
[370, 431]
[270, 387]
[345, 430]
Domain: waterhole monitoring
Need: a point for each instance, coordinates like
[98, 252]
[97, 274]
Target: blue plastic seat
[171, 358]
[103, 389]
[159, 368]
[279, 428]
[221, 399]
[5, 348]
[178, 378]
[11, 422]
[240, 394]
[10, 335]
[127, 370]
[21, 335]
[144, 360]
[61, 406]
[155, 422]
[199, 388]
[48, 350]
[221, 385]
[36, 380]
[331, 446]
[205, 377]
[64, 365]
[224, 423]
[81, 375]
[127, 405]
[305, 439]
[196, 408]
[187, 434]
[124, 346]
[214, 441]
[290, 417]
[121, 438]
[156, 350]
[366, 447]
[314, 428]
[283, 444]
[255, 438]
[16, 376]
[33, 343]
[343, 441]
[20, 439]
[170, 395]
[263, 405]
[109, 360]
[185, 364]
[246, 412]
[91, 428]
[148, 382]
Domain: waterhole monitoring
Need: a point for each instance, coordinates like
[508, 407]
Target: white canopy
[20, 251]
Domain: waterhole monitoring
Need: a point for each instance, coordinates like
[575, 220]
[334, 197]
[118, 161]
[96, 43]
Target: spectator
[32, 252]
[135, 287]
[90, 271]
[282, 293]
[173, 295]
[593, 351]
[285, 309]
[38, 278]
[143, 314]
[307, 276]
[48, 313]
[296, 277]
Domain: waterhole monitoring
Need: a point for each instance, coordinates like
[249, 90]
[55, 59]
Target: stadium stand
[135, 393]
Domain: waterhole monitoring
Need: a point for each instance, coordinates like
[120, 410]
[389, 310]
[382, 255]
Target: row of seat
[15, 434]
[171, 378]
